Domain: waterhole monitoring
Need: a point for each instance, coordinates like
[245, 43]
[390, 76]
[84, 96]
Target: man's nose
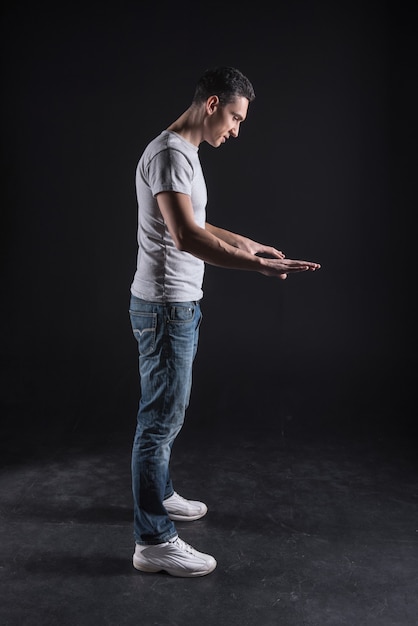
[234, 131]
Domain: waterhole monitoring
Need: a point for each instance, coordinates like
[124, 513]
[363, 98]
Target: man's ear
[211, 104]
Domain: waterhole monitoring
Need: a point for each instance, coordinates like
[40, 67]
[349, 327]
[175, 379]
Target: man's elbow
[179, 241]
[180, 245]
[183, 240]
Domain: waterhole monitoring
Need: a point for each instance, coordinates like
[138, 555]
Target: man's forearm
[220, 247]
[233, 239]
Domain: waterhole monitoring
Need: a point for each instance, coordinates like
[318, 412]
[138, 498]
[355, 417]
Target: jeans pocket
[181, 313]
[144, 326]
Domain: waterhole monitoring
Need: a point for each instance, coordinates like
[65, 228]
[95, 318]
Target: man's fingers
[302, 265]
[283, 267]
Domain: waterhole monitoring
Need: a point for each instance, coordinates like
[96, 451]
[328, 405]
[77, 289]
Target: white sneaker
[175, 557]
[181, 510]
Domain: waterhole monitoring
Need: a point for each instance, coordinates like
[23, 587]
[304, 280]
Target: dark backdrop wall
[321, 169]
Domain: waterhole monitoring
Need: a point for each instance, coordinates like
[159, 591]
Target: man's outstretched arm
[206, 244]
[244, 243]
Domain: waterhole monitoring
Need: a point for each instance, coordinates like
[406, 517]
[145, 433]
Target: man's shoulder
[171, 147]
[169, 140]
[157, 143]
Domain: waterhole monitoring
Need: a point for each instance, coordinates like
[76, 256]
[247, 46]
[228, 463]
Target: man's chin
[217, 142]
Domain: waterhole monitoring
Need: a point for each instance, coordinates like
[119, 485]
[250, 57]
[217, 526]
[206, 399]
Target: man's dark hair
[225, 82]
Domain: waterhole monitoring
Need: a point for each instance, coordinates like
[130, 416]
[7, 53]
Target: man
[174, 243]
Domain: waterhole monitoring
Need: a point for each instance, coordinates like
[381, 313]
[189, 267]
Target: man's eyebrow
[238, 116]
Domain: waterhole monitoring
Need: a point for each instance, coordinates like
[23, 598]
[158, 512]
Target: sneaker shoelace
[178, 497]
[184, 546]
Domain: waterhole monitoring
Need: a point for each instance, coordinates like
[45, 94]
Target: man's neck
[189, 126]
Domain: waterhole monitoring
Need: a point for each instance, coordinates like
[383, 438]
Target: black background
[323, 169]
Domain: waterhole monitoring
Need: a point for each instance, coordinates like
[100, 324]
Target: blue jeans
[167, 336]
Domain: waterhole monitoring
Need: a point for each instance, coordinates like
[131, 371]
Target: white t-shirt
[164, 273]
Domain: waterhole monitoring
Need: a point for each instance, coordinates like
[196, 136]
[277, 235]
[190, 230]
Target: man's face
[224, 121]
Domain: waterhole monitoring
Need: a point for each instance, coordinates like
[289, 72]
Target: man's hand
[276, 269]
[259, 249]
[280, 268]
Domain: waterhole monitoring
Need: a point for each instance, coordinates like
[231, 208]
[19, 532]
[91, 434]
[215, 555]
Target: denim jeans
[167, 336]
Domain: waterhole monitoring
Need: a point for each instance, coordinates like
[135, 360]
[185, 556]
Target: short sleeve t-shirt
[164, 273]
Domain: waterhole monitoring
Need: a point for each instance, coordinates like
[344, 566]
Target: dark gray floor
[305, 531]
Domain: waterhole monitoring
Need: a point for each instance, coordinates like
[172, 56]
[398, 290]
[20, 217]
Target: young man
[174, 243]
